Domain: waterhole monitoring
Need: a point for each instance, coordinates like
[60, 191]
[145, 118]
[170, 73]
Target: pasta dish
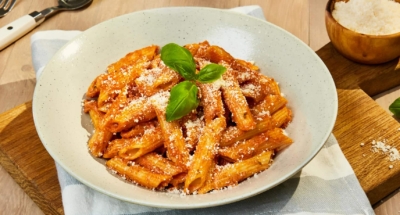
[164, 127]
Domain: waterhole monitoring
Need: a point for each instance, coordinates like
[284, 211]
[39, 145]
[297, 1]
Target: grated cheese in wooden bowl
[372, 17]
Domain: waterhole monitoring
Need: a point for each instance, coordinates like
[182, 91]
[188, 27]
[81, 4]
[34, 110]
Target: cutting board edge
[27, 185]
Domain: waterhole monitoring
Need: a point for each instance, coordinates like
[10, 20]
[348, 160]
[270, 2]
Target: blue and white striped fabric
[327, 185]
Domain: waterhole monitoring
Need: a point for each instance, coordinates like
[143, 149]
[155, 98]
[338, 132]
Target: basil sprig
[395, 107]
[180, 60]
[183, 97]
[210, 73]
[183, 100]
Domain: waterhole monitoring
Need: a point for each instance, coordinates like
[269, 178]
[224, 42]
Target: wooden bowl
[358, 47]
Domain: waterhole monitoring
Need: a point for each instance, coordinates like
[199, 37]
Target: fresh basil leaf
[210, 73]
[179, 59]
[182, 101]
[395, 107]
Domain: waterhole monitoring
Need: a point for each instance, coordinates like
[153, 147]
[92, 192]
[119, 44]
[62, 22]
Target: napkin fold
[327, 185]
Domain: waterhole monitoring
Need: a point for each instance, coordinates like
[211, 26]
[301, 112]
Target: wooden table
[303, 18]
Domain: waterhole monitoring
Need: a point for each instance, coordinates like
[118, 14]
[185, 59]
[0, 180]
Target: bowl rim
[328, 11]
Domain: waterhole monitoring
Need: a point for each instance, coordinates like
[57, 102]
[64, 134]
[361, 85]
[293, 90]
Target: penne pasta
[174, 141]
[227, 121]
[193, 128]
[233, 134]
[94, 90]
[252, 90]
[204, 155]
[122, 73]
[139, 146]
[277, 141]
[131, 59]
[217, 54]
[244, 67]
[268, 106]
[211, 101]
[279, 119]
[269, 85]
[114, 147]
[237, 103]
[99, 140]
[269, 140]
[157, 164]
[282, 117]
[178, 181]
[244, 74]
[199, 50]
[231, 175]
[158, 78]
[208, 184]
[137, 111]
[139, 129]
[138, 174]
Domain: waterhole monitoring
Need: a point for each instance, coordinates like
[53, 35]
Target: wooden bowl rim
[328, 11]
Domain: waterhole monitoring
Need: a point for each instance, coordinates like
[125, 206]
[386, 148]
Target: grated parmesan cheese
[391, 152]
[218, 83]
[160, 99]
[250, 88]
[373, 17]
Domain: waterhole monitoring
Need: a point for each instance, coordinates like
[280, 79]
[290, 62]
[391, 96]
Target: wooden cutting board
[360, 120]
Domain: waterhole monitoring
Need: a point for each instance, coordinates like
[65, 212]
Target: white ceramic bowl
[302, 76]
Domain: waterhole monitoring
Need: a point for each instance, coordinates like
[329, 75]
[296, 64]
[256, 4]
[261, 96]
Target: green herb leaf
[182, 101]
[395, 107]
[179, 59]
[210, 73]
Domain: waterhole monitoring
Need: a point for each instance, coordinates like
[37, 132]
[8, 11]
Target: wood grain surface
[26, 160]
[360, 118]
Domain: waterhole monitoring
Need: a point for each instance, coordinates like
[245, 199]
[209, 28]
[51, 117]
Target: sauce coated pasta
[233, 133]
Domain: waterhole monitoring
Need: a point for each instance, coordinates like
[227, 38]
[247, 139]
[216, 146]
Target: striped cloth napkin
[327, 185]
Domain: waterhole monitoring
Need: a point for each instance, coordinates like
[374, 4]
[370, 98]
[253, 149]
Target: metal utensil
[23, 25]
[6, 6]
